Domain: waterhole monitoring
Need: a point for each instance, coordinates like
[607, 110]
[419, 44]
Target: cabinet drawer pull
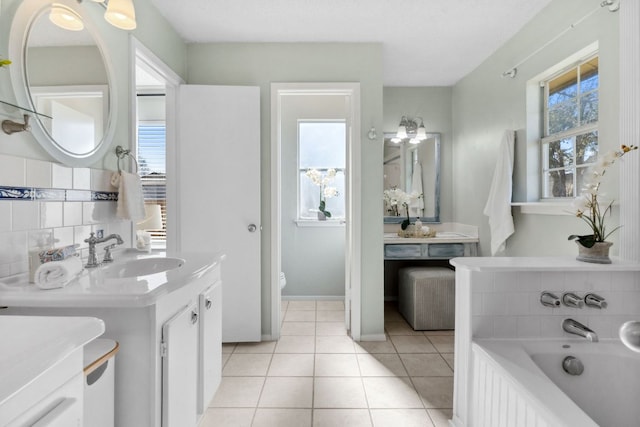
[208, 303]
[194, 317]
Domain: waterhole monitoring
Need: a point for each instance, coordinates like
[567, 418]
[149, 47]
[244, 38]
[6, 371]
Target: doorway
[346, 99]
[154, 118]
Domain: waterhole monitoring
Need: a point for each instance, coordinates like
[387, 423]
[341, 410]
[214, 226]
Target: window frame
[573, 133]
[300, 170]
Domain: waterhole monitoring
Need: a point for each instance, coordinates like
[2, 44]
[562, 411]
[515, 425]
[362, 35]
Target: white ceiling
[425, 42]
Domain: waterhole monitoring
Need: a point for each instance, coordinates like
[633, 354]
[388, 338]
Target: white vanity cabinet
[169, 363]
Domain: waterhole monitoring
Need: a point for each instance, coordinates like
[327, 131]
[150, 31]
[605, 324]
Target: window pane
[589, 108]
[563, 88]
[586, 148]
[152, 149]
[563, 117]
[581, 175]
[560, 153]
[322, 145]
[589, 79]
[558, 183]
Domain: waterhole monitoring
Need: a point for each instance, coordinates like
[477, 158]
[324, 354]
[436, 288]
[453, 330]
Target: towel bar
[122, 153]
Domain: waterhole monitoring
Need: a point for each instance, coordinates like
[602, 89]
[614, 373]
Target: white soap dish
[630, 335]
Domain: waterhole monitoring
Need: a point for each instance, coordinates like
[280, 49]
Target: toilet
[283, 280]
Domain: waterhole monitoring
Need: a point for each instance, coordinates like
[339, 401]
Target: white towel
[130, 198]
[498, 207]
[57, 274]
[416, 187]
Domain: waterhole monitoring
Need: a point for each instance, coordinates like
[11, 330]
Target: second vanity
[451, 240]
[165, 311]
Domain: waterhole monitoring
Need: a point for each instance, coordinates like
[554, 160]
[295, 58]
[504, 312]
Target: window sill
[316, 223]
[545, 208]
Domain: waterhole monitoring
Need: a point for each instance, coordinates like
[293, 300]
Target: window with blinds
[152, 171]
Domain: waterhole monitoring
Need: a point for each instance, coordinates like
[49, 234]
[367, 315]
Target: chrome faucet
[577, 328]
[92, 262]
[595, 301]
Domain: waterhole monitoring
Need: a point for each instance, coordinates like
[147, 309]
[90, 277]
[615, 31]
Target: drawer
[402, 251]
[444, 250]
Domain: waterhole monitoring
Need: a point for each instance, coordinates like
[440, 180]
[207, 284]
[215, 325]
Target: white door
[218, 194]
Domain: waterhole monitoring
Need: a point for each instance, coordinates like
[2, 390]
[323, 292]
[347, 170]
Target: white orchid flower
[330, 192]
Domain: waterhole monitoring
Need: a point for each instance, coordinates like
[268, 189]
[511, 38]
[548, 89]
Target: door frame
[139, 52]
[353, 198]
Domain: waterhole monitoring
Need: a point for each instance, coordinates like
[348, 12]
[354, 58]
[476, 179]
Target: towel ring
[121, 153]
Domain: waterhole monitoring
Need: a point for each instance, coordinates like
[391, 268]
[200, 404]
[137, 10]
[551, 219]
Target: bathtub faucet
[577, 328]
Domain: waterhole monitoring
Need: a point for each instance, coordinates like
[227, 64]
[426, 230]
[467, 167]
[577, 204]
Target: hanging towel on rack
[498, 207]
[416, 187]
[130, 198]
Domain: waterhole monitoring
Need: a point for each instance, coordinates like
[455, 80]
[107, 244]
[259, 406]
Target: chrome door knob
[252, 228]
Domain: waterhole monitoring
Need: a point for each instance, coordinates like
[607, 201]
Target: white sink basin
[141, 267]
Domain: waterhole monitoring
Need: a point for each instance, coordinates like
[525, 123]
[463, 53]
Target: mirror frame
[26, 15]
[425, 219]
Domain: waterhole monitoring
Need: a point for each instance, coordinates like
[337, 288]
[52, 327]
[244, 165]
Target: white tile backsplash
[81, 179]
[50, 214]
[12, 171]
[25, 215]
[29, 224]
[38, 173]
[5, 216]
[72, 213]
[506, 304]
[61, 176]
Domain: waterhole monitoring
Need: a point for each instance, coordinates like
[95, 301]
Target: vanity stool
[426, 297]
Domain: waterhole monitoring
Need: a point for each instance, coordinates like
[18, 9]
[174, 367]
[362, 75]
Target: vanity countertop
[448, 232]
[32, 345]
[93, 289]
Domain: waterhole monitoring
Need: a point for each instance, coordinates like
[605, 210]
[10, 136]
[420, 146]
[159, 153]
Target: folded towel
[130, 198]
[498, 207]
[57, 274]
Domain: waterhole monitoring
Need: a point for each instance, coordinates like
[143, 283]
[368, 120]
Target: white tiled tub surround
[25, 223]
[500, 298]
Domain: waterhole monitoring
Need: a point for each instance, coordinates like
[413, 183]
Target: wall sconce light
[65, 18]
[120, 13]
[409, 128]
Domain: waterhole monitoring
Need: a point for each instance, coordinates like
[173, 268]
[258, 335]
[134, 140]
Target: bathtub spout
[577, 328]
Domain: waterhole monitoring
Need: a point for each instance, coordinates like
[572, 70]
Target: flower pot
[321, 216]
[598, 253]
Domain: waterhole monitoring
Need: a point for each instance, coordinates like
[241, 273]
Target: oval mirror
[63, 75]
[413, 168]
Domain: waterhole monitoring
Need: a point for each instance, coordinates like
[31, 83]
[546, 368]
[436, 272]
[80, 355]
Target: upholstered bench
[426, 297]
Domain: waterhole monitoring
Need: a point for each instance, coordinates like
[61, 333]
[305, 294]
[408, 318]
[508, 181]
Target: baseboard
[312, 298]
[267, 337]
[373, 337]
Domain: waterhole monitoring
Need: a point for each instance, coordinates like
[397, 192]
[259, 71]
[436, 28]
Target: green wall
[260, 64]
[485, 104]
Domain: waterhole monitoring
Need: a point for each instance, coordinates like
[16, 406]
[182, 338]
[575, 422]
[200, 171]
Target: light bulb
[65, 18]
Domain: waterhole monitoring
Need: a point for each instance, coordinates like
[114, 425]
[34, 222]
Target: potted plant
[594, 247]
[322, 180]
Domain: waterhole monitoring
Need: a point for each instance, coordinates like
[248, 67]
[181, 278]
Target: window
[321, 146]
[152, 171]
[570, 142]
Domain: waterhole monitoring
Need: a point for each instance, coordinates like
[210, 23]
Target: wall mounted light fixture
[119, 13]
[9, 126]
[409, 128]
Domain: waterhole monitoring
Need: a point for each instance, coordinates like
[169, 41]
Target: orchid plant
[326, 192]
[395, 197]
[587, 207]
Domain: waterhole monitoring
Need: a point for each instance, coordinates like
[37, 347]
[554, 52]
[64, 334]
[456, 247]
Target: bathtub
[521, 383]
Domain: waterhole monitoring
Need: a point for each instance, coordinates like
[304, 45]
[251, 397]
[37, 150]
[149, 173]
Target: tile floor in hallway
[315, 375]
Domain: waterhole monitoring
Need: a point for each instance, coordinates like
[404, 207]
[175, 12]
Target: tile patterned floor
[315, 375]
